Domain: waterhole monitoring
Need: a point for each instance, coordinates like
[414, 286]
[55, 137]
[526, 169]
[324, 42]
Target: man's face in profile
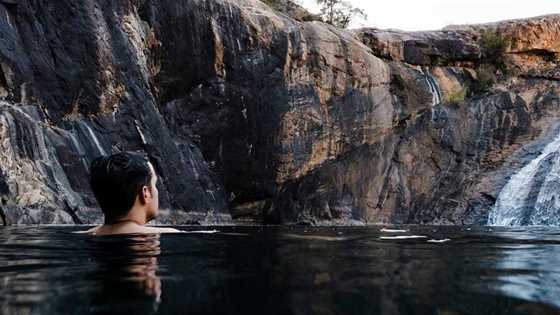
[153, 202]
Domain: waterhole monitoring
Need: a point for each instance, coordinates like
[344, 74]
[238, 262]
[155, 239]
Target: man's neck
[133, 216]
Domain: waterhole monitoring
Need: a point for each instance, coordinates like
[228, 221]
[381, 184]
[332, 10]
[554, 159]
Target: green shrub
[493, 48]
[485, 79]
[340, 12]
[456, 96]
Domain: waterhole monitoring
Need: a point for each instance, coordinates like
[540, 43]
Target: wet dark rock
[246, 112]
[78, 83]
[422, 48]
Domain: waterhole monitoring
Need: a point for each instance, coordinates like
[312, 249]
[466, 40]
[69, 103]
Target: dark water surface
[282, 270]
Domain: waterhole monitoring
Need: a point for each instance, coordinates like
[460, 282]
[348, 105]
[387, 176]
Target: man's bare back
[128, 228]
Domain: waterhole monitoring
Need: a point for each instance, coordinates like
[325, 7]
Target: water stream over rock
[433, 85]
[531, 196]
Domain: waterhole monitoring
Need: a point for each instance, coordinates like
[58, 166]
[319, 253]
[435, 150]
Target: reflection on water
[530, 271]
[58, 272]
[272, 270]
[126, 273]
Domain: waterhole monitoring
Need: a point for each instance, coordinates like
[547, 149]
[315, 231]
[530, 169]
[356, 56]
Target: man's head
[124, 181]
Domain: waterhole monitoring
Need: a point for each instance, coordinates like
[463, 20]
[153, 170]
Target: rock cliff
[251, 114]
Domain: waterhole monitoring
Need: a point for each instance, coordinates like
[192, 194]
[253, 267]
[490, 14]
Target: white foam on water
[202, 232]
[384, 230]
[402, 237]
[439, 241]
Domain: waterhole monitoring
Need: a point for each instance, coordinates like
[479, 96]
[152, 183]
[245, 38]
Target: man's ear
[145, 194]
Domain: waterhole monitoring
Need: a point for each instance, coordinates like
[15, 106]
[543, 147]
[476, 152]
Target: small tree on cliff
[493, 47]
[339, 12]
[492, 65]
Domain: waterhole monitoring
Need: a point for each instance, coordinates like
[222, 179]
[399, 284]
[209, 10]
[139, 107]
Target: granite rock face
[77, 83]
[246, 112]
[292, 10]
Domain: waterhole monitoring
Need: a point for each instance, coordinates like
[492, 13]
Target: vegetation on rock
[456, 96]
[485, 79]
[492, 64]
[493, 48]
[339, 12]
[335, 12]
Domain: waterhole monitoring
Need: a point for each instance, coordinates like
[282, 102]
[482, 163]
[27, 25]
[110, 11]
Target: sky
[415, 15]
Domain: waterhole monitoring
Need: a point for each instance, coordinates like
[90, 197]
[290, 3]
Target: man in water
[125, 187]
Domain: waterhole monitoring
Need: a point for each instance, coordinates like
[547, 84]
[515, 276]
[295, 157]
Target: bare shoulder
[127, 229]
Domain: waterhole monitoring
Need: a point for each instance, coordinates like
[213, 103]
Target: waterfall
[516, 205]
[432, 84]
[79, 148]
[547, 205]
[94, 138]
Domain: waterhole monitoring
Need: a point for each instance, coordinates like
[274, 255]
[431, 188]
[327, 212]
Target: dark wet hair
[116, 180]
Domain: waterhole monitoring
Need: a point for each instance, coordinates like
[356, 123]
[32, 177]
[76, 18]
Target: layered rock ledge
[248, 113]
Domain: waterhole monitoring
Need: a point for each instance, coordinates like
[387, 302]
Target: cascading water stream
[432, 84]
[94, 138]
[517, 205]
